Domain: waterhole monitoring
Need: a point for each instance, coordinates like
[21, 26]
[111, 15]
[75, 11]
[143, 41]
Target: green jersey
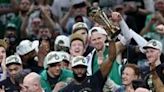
[114, 73]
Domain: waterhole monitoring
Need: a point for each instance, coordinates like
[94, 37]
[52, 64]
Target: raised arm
[63, 21]
[4, 70]
[47, 17]
[25, 22]
[106, 66]
[127, 33]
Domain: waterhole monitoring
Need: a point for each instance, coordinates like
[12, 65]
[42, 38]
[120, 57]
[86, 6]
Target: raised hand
[116, 18]
[2, 89]
[3, 65]
[160, 29]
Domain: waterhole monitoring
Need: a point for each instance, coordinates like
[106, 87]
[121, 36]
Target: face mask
[12, 39]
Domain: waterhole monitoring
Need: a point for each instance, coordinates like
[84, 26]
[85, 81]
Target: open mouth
[77, 50]
[123, 80]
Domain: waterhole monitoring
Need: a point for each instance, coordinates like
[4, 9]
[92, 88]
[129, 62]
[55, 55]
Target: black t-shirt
[52, 81]
[160, 71]
[93, 83]
[32, 65]
[9, 86]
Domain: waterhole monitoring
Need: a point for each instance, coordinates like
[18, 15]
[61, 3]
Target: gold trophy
[101, 18]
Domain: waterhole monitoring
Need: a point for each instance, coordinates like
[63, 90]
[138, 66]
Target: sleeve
[110, 85]
[139, 39]
[129, 34]
[125, 30]
[149, 5]
[55, 9]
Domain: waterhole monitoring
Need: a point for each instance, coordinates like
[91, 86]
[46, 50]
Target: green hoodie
[64, 76]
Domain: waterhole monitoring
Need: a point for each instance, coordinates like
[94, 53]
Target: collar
[43, 90]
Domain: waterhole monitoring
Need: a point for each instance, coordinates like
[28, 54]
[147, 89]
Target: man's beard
[79, 79]
[44, 37]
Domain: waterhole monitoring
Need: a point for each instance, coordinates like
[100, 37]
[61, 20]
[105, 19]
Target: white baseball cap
[98, 29]
[11, 25]
[36, 45]
[51, 58]
[25, 47]
[79, 25]
[63, 40]
[79, 60]
[13, 59]
[154, 44]
[64, 55]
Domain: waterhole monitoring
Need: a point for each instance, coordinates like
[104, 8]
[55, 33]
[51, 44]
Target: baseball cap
[79, 25]
[97, 29]
[64, 55]
[51, 58]
[26, 46]
[154, 44]
[79, 60]
[3, 43]
[13, 59]
[36, 45]
[62, 39]
[76, 36]
[78, 3]
[11, 26]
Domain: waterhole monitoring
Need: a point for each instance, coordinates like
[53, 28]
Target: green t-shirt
[5, 18]
[114, 73]
[3, 3]
[148, 19]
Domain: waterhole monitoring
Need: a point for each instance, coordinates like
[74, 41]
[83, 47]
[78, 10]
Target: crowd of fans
[56, 46]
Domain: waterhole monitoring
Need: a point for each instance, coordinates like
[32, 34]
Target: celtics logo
[64, 56]
[15, 59]
[154, 43]
[80, 60]
[54, 56]
[61, 42]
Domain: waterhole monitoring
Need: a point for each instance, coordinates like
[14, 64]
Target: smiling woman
[130, 73]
